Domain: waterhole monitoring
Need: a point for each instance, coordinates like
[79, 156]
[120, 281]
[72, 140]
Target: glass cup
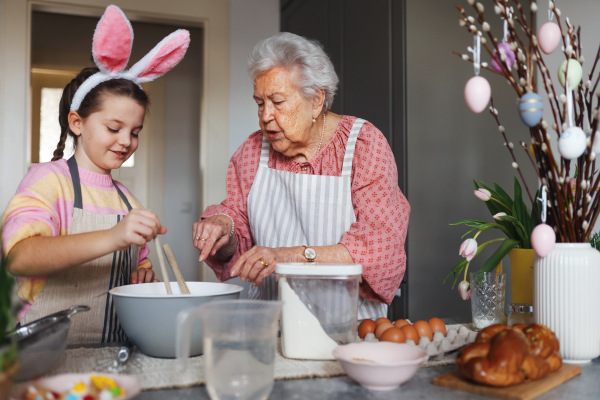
[239, 340]
[487, 298]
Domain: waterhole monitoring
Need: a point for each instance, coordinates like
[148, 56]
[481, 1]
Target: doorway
[164, 172]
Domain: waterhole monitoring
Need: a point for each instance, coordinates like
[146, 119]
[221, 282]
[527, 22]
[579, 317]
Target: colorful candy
[99, 387]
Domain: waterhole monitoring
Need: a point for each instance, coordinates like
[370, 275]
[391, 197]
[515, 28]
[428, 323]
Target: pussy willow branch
[571, 216]
[509, 146]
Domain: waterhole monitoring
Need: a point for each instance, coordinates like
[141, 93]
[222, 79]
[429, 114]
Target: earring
[314, 120]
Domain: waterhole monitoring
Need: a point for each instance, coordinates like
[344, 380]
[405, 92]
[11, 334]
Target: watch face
[310, 253]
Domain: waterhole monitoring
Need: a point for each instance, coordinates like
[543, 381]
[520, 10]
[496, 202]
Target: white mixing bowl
[148, 314]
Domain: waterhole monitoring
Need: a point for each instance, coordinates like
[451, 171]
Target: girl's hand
[250, 265]
[143, 275]
[211, 234]
[138, 227]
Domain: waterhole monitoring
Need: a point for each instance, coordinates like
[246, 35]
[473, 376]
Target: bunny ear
[163, 57]
[113, 39]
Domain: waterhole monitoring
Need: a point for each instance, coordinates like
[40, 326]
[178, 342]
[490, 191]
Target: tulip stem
[467, 268]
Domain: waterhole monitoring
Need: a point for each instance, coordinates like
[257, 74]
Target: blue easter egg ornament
[531, 109]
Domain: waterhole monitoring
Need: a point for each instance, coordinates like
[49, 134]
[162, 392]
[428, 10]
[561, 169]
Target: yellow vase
[521, 275]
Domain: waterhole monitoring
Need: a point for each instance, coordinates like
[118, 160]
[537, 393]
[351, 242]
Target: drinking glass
[239, 340]
[487, 298]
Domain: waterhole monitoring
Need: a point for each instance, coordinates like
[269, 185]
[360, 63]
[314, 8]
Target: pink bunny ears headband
[111, 49]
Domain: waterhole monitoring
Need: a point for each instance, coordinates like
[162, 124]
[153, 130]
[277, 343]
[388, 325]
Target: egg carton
[456, 337]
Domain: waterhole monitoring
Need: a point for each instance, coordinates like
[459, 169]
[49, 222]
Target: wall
[251, 21]
[448, 147]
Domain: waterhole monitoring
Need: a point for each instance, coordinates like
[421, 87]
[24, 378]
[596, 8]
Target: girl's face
[285, 115]
[108, 137]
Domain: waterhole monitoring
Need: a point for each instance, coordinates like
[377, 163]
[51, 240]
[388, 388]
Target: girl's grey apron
[286, 209]
[88, 283]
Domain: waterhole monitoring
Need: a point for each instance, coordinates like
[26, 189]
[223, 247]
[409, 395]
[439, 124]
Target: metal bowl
[148, 314]
[43, 342]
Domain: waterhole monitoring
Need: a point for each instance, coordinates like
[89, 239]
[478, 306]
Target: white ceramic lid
[318, 269]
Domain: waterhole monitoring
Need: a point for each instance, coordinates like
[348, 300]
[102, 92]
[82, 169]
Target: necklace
[322, 134]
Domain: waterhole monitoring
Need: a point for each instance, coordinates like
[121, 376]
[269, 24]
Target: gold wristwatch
[309, 253]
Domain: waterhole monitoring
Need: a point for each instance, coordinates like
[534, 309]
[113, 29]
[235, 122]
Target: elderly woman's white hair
[291, 51]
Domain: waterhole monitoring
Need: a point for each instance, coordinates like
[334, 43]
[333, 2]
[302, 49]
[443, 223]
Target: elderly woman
[310, 185]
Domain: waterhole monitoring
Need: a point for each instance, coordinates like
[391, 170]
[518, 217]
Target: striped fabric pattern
[287, 209]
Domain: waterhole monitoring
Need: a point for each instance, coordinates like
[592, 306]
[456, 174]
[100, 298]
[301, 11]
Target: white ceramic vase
[566, 298]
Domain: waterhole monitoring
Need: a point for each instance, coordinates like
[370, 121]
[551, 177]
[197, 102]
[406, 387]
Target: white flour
[302, 335]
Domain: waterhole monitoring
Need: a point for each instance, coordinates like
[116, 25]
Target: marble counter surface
[584, 386]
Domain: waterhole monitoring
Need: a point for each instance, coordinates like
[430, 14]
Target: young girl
[71, 233]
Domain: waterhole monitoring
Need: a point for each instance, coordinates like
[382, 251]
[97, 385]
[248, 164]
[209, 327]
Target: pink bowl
[380, 365]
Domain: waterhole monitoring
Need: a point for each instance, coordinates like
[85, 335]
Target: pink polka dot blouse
[375, 240]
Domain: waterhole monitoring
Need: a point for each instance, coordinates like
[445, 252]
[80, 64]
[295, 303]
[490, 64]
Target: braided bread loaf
[508, 355]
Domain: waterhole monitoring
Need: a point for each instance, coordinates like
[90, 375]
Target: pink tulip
[464, 291]
[500, 214]
[468, 249]
[483, 194]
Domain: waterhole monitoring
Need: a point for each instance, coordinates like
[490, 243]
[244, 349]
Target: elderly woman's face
[285, 115]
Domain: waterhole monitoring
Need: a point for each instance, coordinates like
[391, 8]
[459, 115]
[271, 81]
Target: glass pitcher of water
[239, 340]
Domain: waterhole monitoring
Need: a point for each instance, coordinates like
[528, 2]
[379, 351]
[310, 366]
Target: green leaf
[456, 271]
[469, 221]
[492, 262]
[506, 199]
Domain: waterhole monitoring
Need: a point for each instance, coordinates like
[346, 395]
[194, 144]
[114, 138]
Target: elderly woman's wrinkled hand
[259, 262]
[211, 234]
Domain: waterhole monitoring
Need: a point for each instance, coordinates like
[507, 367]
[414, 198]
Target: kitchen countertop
[583, 386]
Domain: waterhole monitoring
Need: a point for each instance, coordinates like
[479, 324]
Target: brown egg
[411, 333]
[367, 326]
[400, 323]
[393, 335]
[382, 328]
[424, 329]
[381, 320]
[437, 325]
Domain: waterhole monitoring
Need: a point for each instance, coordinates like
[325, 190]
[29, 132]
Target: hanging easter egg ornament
[477, 93]
[504, 49]
[506, 56]
[573, 141]
[531, 109]
[549, 34]
[574, 71]
[543, 237]
[477, 90]
[543, 240]
[549, 37]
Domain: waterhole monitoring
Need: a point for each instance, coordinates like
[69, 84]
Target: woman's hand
[138, 227]
[259, 262]
[143, 275]
[213, 234]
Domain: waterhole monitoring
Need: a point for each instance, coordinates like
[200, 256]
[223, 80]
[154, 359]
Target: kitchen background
[397, 70]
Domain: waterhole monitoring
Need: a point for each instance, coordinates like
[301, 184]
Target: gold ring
[204, 240]
[197, 237]
[264, 262]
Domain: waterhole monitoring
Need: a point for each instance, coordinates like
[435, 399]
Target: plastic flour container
[320, 307]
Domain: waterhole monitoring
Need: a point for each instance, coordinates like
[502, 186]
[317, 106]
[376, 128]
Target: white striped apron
[286, 209]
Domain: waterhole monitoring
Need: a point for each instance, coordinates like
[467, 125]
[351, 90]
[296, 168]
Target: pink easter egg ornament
[477, 93]
[549, 37]
[505, 49]
[543, 240]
